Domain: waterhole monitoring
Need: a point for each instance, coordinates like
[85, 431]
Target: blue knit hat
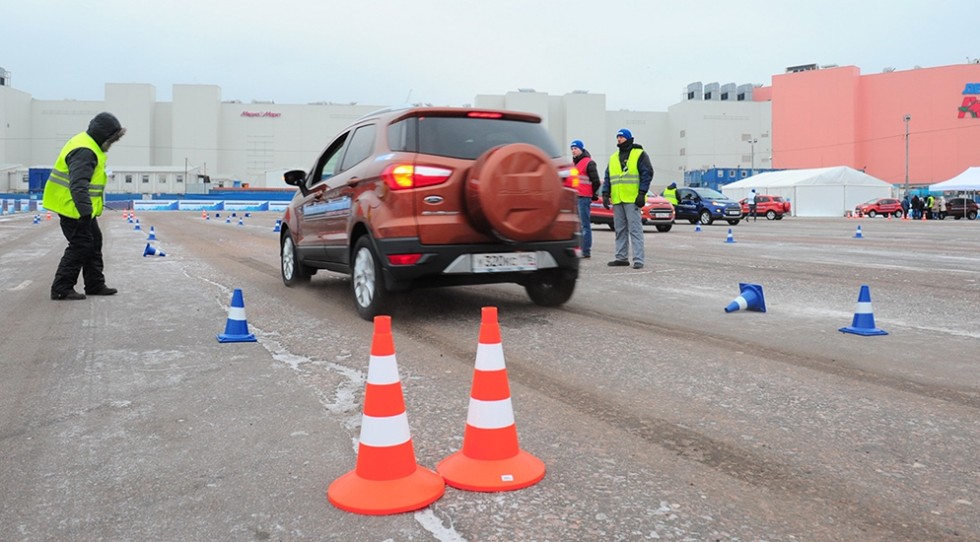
[625, 133]
[577, 143]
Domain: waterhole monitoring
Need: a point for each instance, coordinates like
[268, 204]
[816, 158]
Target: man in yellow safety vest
[75, 190]
[627, 180]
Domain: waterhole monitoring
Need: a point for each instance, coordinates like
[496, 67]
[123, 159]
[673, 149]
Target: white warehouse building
[169, 146]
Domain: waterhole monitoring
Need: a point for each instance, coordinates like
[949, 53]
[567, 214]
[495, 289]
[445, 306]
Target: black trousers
[84, 254]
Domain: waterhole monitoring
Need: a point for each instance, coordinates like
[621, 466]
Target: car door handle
[353, 181]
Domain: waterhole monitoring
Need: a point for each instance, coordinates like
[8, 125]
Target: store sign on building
[266, 114]
[971, 104]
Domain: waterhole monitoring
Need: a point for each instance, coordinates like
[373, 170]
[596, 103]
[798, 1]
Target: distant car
[769, 206]
[706, 205]
[880, 206]
[960, 207]
[657, 212]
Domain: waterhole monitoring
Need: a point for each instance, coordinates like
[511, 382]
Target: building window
[129, 179]
[180, 178]
[161, 178]
[731, 173]
[744, 173]
[145, 179]
[25, 178]
[683, 151]
[683, 133]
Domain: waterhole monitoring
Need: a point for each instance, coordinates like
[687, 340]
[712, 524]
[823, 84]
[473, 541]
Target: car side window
[326, 166]
[761, 199]
[361, 146]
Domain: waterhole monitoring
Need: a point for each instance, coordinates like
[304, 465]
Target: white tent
[814, 192]
[968, 181]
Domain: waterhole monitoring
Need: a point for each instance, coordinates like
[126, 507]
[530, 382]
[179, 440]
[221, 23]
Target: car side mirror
[297, 178]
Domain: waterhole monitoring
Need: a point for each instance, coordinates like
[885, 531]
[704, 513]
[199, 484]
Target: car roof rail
[384, 110]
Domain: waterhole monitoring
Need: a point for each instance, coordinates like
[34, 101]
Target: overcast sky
[641, 54]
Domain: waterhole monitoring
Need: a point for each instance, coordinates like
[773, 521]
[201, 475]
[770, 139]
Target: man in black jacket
[75, 190]
[588, 191]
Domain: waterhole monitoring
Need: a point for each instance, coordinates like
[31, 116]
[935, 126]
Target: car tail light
[404, 176]
[569, 177]
[404, 259]
[484, 115]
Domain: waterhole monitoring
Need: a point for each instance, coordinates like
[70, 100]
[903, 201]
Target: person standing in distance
[75, 190]
[750, 200]
[587, 191]
[627, 180]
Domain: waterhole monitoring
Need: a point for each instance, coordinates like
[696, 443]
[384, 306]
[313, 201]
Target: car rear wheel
[706, 218]
[734, 222]
[551, 287]
[770, 215]
[872, 214]
[664, 228]
[898, 214]
[972, 215]
[294, 272]
[367, 282]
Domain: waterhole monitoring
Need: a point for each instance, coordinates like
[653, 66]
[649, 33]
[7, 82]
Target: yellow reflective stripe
[59, 178]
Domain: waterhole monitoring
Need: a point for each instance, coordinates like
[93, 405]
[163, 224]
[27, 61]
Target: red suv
[418, 197]
[880, 206]
[960, 207]
[769, 206]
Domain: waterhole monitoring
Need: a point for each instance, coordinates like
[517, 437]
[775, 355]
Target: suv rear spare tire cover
[514, 192]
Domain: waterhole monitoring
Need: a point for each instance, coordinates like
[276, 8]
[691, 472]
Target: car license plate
[733, 212]
[661, 215]
[504, 262]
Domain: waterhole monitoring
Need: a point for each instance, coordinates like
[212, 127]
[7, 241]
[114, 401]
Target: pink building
[836, 116]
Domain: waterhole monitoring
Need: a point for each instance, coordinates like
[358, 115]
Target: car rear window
[465, 137]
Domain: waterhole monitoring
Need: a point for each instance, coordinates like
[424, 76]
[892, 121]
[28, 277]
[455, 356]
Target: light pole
[907, 119]
[752, 142]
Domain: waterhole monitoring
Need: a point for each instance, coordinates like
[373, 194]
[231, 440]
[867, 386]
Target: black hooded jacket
[592, 170]
[82, 162]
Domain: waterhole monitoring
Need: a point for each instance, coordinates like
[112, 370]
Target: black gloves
[595, 197]
[605, 201]
[85, 218]
[641, 200]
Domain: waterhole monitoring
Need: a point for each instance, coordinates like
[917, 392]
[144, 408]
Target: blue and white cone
[730, 238]
[751, 298]
[240, 221]
[278, 227]
[153, 235]
[137, 226]
[697, 228]
[864, 318]
[152, 251]
[857, 234]
[228, 220]
[236, 329]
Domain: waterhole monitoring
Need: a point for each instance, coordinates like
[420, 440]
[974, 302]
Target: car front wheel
[872, 214]
[664, 228]
[551, 287]
[367, 282]
[972, 215]
[770, 215]
[898, 214]
[706, 218]
[294, 272]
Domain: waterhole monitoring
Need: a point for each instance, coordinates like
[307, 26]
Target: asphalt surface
[658, 415]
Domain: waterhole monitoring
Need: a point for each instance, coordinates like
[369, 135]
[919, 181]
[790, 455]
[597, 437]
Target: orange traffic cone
[386, 479]
[491, 459]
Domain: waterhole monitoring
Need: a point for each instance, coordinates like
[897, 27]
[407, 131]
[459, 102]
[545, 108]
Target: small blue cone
[234, 214]
[278, 226]
[37, 219]
[697, 228]
[857, 234]
[248, 215]
[217, 215]
[130, 219]
[730, 239]
[137, 226]
[228, 220]
[153, 235]
[241, 222]
[864, 318]
[151, 251]
[236, 329]
[751, 298]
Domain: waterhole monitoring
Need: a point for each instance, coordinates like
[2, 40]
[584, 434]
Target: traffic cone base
[150, 250]
[864, 318]
[354, 493]
[751, 298]
[517, 472]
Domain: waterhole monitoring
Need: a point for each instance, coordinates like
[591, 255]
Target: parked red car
[767, 205]
[658, 212]
[880, 206]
